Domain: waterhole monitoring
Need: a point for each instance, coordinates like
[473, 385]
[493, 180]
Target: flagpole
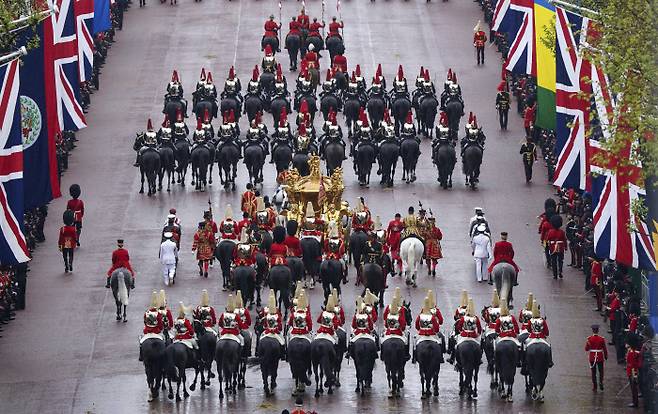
[573, 6]
[20, 52]
[40, 15]
[340, 17]
[280, 6]
[322, 18]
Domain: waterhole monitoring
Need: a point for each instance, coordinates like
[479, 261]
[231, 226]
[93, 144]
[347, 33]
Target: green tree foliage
[15, 17]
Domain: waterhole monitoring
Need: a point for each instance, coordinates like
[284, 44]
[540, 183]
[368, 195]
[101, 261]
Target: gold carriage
[324, 192]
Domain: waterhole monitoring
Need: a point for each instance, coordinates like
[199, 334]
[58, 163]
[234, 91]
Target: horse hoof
[390, 394]
[436, 393]
[423, 396]
[221, 396]
[118, 317]
[208, 383]
[186, 394]
[240, 387]
[510, 399]
[317, 394]
[125, 320]
[141, 191]
[178, 398]
[170, 396]
[192, 387]
[203, 386]
[330, 391]
[357, 389]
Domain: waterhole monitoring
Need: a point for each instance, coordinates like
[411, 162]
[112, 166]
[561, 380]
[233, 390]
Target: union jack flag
[13, 248]
[521, 57]
[84, 21]
[501, 14]
[61, 67]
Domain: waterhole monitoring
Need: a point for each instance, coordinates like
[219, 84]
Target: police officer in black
[503, 104]
[529, 154]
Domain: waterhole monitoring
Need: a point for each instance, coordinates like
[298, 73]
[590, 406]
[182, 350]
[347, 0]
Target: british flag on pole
[521, 57]
[84, 23]
[13, 248]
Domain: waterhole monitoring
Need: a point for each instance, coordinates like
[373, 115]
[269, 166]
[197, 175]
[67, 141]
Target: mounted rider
[300, 320]
[369, 301]
[490, 314]
[374, 249]
[332, 133]
[245, 317]
[257, 135]
[232, 86]
[339, 64]
[268, 63]
[314, 29]
[278, 250]
[282, 135]
[174, 88]
[434, 310]
[165, 312]
[145, 141]
[184, 332]
[311, 226]
[468, 327]
[474, 135]
[244, 253]
[525, 314]
[120, 258]
[395, 322]
[328, 321]
[400, 87]
[334, 28]
[153, 323]
[409, 130]
[272, 322]
[337, 309]
[411, 224]
[230, 323]
[264, 219]
[362, 326]
[361, 218]
[503, 252]
[334, 247]
[459, 313]
[538, 330]
[164, 136]
[428, 326]
[364, 134]
[506, 325]
[228, 228]
[205, 314]
[271, 29]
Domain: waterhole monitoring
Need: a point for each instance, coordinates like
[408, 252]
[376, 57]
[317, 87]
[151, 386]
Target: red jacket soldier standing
[597, 352]
[278, 251]
[248, 201]
[433, 251]
[393, 236]
[204, 245]
[67, 242]
[77, 206]
[120, 258]
[596, 281]
[334, 27]
[557, 243]
[479, 40]
[633, 365]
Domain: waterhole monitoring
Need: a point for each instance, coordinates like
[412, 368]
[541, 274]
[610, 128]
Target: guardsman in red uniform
[526, 313]
[506, 325]
[461, 309]
[490, 314]
[334, 27]
[394, 318]
[369, 301]
[529, 115]
[614, 304]
[303, 20]
[633, 365]
[228, 228]
[328, 319]
[245, 317]
[503, 251]
[361, 321]
[433, 251]
[597, 353]
[244, 253]
[204, 245]
[120, 258]
[295, 27]
[596, 281]
[245, 223]
[67, 242]
[230, 322]
[538, 325]
[557, 244]
[77, 206]
[338, 308]
[361, 219]
[292, 241]
[468, 326]
[314, 28]
[278, 251]
[153, 322]
[248, 201]
[339, 64]
[393, 237]
[272, 322]
[300, 319]
[427, 323]
[264, 218]
[311, 58]
[183, 328]
[205, 313]
[479, 40]
[271, 29]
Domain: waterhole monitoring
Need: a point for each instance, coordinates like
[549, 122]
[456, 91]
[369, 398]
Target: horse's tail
[411, 257]
[123, 289]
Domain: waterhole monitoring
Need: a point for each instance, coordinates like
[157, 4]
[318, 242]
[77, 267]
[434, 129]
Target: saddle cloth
[211, 330]
[402, 338]
[232, 337]
[507, 338]
[306, 337]
[434, 338]
[533, 341]
[326, 336]
[278, 337]
[188, 342]
[151, 336]
[462, 339]
[362, 336]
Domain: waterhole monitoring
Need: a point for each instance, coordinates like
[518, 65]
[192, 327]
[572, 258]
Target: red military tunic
[189, 331]
[544, 227]
[271, 28]
[244, 261]
[433, 237]
[633, 362]
[207, 322]
[166, 312]
[596, 349]
[529, 116]
[159, 326]
[295, 28]
[393, 236]
[429, 331]
[297, 330]
[632, 325]
[337, 254]
[479, 39]
[469, 334]
[366, 226]
[402, 321]
[245, 316]
[78, 208]
[248, 203]
[303, 21]
[459, 312]
[231, 331]
[507, 333]
[278, 254]
[437, 313]
[358, 331]
[503, 252]
[204, 244]
[557, 240]
[120, 258]
[244, 223]
[340, 63]
[541, 334]
[615, 304]
[341, 315]
[279, 324]
[233, 234]
[314, 29]
[293, 245]
[596, 273]
[68, 237]
[373, 313]
[333, 28]
[311, 59]
[331, 330]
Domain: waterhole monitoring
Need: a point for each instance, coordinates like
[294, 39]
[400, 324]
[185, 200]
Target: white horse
[411, 253]
[280, 199]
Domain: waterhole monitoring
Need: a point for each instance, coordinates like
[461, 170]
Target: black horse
[471, 161]
[351, 107]
[200, 161]
[203, 106]
[454, 110]
[254, 159]
[278, 103]
[293, 44]
[428, 111]
[253, 104]
[174, 106]
[231, 103]
[178, 358]
[409, 152]
[364, 353]
[333, 154]
[429, 354]
[335, 46]
[400, 107]
[273, 41]
[182, 155]
[153, 351]
[445, 158]
[282, 156]
[373, 279]
[329, 102]
[469, 358]
[269, 352]
[310, 100]
[394, 355]
[168, 165]
[227, 163]
[357, 247]
[149, 167]
[224, 255]
[365, 157]
[389, 151]
[537, 359]
[323, 357]
[507, 355]
[311, 253]
[376, 106]
[280, 282]
[207, 342]
[227, 357]
[299, 359]
[331, 273]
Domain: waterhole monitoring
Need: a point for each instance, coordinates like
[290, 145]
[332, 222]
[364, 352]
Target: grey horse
[503, 274]
[120, 282]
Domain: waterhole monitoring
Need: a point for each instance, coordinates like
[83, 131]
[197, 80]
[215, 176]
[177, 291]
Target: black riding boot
[107, 282]
[136, 164]
[132, 283]
[140, 354]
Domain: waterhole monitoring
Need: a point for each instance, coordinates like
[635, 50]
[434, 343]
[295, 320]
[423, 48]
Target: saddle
[330, 338]
[402, 338]
[362, 336]
[151, 336]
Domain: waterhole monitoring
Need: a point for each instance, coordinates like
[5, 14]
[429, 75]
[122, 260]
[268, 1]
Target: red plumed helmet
[268, 50]
[378, 73]
[283, 117]
[449, 77]
[358, 70]
[174, 76]
[231, 73]
[149, 125]
[422, 72]
[409, 119]
[203, 74]
[224, 117]
[376, 81]
[400, 73]
[231, 116]
[279, 72]
[255, 74]
[165, 123]
[302, 129]
[328, 75]
[426, 75]
[303, 107]
[363, 117]
[206, 116]
[179, 115]
[257, 118]
[470, 117]
[353, 80]
[443, 119]
[454, 77]
[332, 117]
[475, 121]
[387, 117]
[199, 126]
[209, 77]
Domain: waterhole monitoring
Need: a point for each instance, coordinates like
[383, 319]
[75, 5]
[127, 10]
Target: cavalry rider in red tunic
[272, 323]
[395, 321]
[525, 314]
[271, 29]
[479, 40]
[634, 361]
[245, 317]
[434, 310]
[120, 258]
[369, 302]
[264, 218]
[361, 219]
[205, 314]
[230, 323]
[334, 27]
[184, 331]
[244, 253]
[153, 323]
[393, 237]
[300, 320]
[328, 320]
[228, 228]
[538, 329]
[292, 241]
[77, 206]
[468, 326]
[433, 238]
[506, 325]
[67, 242]
[597, 353]
[490, 314]
[427, 325]
[362, 326]
[314, 28]
[339, 64]
[334, 247]
[504, 252]
[303, 20]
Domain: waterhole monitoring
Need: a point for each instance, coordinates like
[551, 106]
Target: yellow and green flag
[544, 13]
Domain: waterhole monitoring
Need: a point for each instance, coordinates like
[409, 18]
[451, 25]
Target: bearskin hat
[556, 221]
[291, 227]
[68, 217]
[550, 203]
[278, 234]
[74, 190]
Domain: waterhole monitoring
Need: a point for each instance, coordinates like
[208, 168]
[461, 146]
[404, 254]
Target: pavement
[67, 354]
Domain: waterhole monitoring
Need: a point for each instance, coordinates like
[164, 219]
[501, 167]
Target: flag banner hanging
[544, 13]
